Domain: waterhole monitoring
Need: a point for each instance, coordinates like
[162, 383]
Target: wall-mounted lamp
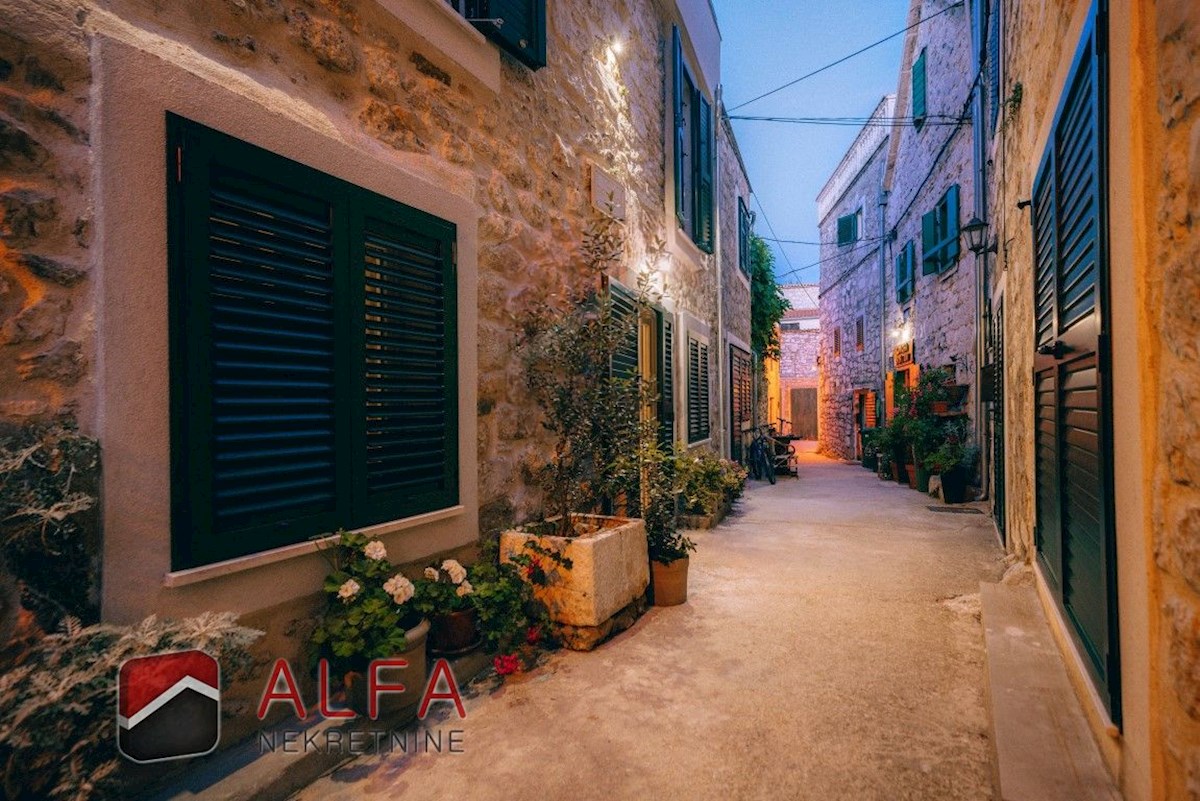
[975, 232]
[617, 46]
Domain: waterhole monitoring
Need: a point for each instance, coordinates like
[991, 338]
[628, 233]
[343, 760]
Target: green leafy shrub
[368, 609]
[58, 705]
[444, 589]
[706, 481]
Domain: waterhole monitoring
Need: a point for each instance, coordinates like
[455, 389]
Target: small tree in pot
[954, 460]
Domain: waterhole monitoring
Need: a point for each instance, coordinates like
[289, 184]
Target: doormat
[951, 510]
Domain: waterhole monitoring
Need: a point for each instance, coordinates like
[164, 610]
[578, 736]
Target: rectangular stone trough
[610, 569]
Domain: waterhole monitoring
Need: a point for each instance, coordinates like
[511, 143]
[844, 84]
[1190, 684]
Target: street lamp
[975, 232]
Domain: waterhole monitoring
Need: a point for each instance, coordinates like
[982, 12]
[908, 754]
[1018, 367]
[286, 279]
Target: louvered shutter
[254, 394]
[930, 243]
[904, 272]
[743, 237]
[1074, 532]
[918, 89]
[704, 174]
[950, 244]
[994, 62]
[625, 313]
[407, 433]
[677, 99]
[847, 229]
[666, 378]
[519, 26]
[741, 397]
[698, 394]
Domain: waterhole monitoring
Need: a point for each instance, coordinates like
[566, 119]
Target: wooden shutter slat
[522, 32]
[918, 88]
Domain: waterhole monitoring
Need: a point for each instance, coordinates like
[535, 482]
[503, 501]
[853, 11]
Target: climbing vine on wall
[767, 303]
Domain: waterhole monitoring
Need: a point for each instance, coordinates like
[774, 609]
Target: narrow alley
[830, 649]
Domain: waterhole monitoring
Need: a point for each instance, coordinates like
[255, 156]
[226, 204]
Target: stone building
[851, 296]
[181, 183]
[734, 409]
[1089, 125]
[930, 308]
[799, 346]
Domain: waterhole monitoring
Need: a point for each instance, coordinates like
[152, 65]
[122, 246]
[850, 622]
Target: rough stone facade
[735, 284]
[406, 86]
[850, 288]
[1153, 172]
[923, 163]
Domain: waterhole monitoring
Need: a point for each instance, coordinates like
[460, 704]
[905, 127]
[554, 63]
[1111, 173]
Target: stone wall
[850, 291]
[735, 285]
[1173, 123]
[528, 149]
[925, 162]
[798, 357]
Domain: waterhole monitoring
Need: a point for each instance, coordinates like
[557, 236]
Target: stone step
[1044, 748]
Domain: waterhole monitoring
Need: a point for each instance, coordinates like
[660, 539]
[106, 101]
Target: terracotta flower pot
[922, 479]
[394, 705]
[454, 633]
[898, 474]
[670, 582]
[910, 473]
[940, 407]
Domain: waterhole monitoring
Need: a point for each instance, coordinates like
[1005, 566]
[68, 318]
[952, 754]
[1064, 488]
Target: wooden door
[1074, 533]
[804, 412]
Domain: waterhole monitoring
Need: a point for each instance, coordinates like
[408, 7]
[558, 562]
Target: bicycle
[764, 463]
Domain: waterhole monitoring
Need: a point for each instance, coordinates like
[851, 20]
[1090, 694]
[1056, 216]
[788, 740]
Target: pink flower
[506, 664]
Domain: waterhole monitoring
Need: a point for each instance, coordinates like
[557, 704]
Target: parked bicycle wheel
[766, 465]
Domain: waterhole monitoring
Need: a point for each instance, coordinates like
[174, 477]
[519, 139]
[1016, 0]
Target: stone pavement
[831, 648]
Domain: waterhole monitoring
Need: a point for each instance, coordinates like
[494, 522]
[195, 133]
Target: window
[905, 274]
[648, 353]
[858, 334]
[918, 90]
[837, 341]
[313, 352]
[741, 398]
[698, 410]
[993, 63]
[518, 26]
[693, 154]
[847, 228]
[939, 234]
[745, 228]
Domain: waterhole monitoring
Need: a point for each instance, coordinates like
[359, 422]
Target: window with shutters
[905, 274]
[918, 90]
[313, 352]
[741, 398]
[693, 152]
[993, 64]
[848, 228]
[939, 234]
[698, 411]
[517, 26]
[859, 334]
[837, 341]
[745, 228]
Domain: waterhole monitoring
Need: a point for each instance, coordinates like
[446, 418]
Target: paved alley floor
[830, 649]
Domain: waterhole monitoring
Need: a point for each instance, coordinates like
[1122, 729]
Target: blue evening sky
[765, 43]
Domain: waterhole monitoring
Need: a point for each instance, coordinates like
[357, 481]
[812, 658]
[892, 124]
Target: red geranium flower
[533, 635]
[506, 664]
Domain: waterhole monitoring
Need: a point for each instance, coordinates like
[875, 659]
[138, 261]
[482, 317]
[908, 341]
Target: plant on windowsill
[369, 615]
[568, 344]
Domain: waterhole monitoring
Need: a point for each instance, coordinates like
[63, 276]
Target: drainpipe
[883, 271]
[979, 156]
[722, 346]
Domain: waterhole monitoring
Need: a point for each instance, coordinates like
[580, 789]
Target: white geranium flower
[457, 572]
[464, 588]
[400, 588]
[349, 590]
[375, 550]
[431, 573]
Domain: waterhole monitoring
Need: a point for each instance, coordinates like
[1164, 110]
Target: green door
[1074, 534]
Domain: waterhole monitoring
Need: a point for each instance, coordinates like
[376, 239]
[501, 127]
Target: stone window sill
[195, 575]
[445, 29]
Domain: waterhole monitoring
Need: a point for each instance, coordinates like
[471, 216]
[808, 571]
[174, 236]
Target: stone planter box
[704, 522]
[610, 570]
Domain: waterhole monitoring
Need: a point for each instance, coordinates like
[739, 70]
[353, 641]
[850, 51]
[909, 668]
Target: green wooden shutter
[677, 100]
[741, 397]
[406, 438]
[847, 229]
[993, 63]
[625, 313]
[904, 272]
[698, 393]
[254, 390]
[930, 243]
[744, 230]
[950, 243]
[666, 378]
[918, 89]
[704, 174]
[518, 26]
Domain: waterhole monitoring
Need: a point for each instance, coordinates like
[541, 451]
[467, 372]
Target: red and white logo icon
[168, 706]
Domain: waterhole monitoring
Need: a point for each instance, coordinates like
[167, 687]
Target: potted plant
[884, 439]
[445, 596]
[654, 471]
[568, 345]
[954, 460]
[870, 454]
[927, 436]
[369, 615]
[707, 486]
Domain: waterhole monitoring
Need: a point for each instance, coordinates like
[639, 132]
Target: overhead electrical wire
[932, 120]
[845, 58]
[782, 252]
